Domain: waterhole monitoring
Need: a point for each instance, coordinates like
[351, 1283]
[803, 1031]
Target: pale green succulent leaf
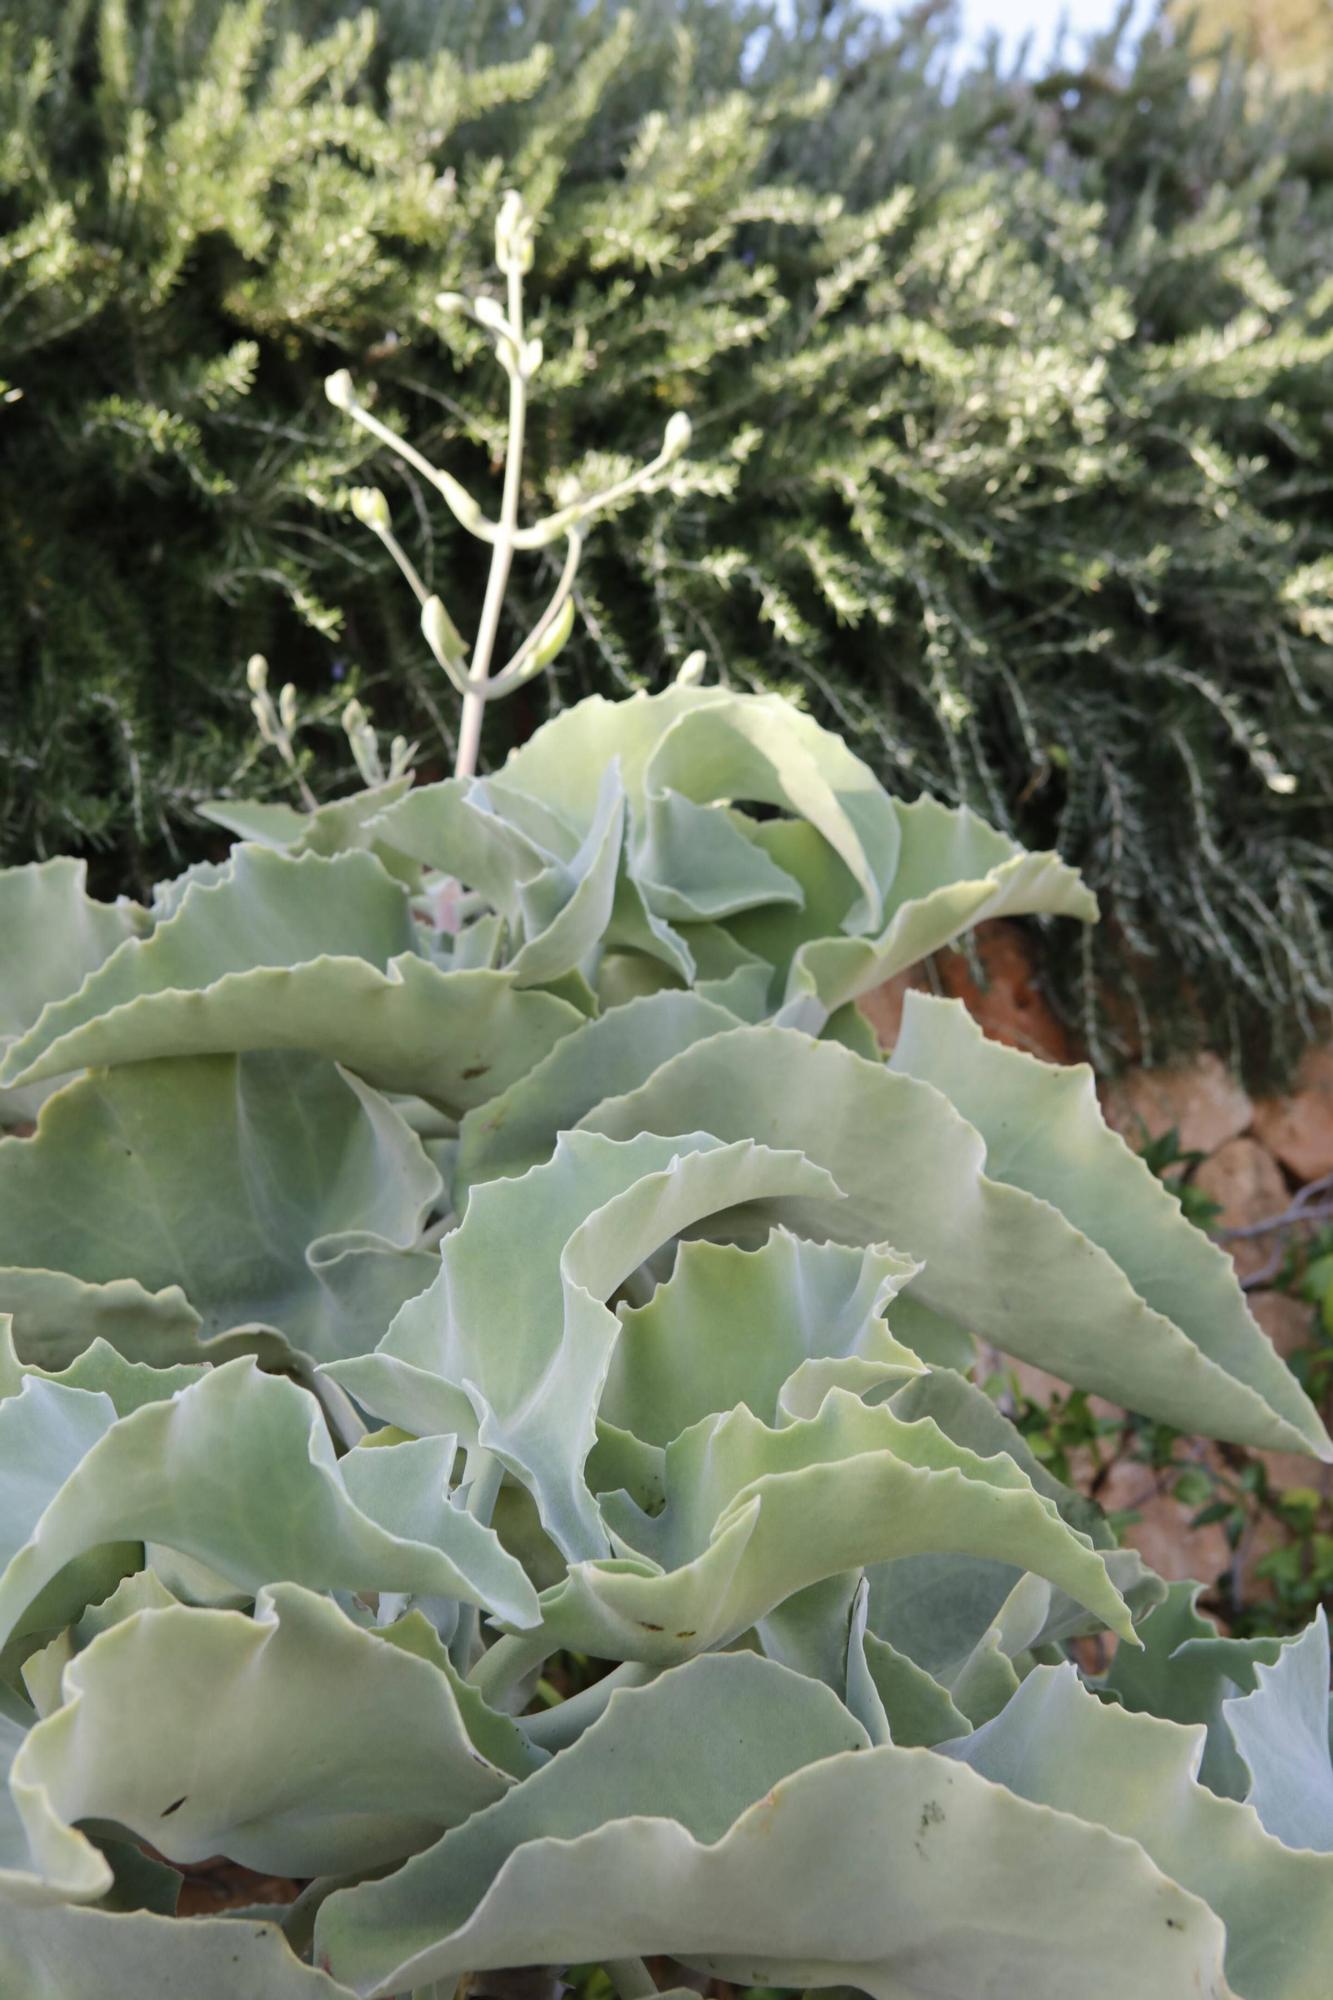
[419, 1029]
[1057, 1745]
[264, 822]
[326, 1751]
[499, 1739]
[753, 1515]
[1000, 1262]
[304, 953]
[685, 1821]
[743, 992]
[936, 1609]
[585, 1221]
[43, 1670]
[965, 1413]
[918, 1712]
[785, 1303]
[237, 1472]
[808, 1631]
[484, 834]
[936, 1337]
[777, 933]
[954, 872]
[314, 1187]
[338, 826]
[99, 1367]
[1184, 1672]
[268, 910]
[55, 935]
[566, 912]
[1044, 1133]
[894, 1699]
[696, 865]
[969, 1417]
[56, 1316]
[553, 889]
[710, 745]
[70, 1953]
[128, 1384]
[41, 1861]
[806, 1389]
[516, 1129]
[1281, 1732]
[999, 1661]
[168, 896]
[643, 951]
[849, 1026]
[761, 748]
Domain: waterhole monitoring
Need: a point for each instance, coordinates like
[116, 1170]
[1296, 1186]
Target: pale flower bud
[513, 235]
[262, 710]
[692, 669]
[339, 390]
[678, 433]
[442, 635]
[546, 650]
[530, 359]
[371, 508]
[450, 302]
[256, 673]
[287, 708]
[353, 718]
[490, 315]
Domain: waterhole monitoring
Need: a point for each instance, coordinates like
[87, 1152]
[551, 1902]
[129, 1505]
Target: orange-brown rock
[1010, 1007]
[1247, 1183]
[1286, 1469]
[1298, 1129]
[1201, 1100]
[1286, 1321]
[883, 1005]
[1162, 1534]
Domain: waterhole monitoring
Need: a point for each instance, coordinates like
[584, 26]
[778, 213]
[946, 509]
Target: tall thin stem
[502, 550]
[520, 358]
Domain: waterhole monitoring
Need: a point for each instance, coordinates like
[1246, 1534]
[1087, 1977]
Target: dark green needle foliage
[1011, 403]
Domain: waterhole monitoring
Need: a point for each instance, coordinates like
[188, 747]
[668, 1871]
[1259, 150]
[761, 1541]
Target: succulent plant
[471, 1253]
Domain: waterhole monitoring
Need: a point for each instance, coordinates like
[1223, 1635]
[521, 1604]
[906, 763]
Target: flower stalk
[470, 669]
[277, 722]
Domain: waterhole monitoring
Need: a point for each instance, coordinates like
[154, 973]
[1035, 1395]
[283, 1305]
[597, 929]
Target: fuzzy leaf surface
[314, 1187]
[1000, 1262]
[733, 1815]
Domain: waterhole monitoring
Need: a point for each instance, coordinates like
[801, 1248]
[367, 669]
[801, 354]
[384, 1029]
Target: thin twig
[1301, 1210]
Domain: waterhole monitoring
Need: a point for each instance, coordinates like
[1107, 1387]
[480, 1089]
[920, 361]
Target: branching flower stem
[520, 357]
[502, 549]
